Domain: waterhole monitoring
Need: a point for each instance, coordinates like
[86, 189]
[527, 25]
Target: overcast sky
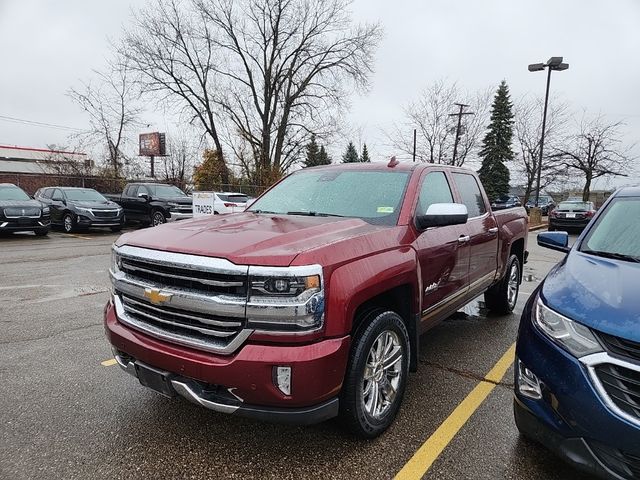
[46, 47]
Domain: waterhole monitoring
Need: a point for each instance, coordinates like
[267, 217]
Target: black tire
[157, 218]
[42, 232]
[68, 223]
[116, 229]
[502, 297]
[377, 326]
[551, 228]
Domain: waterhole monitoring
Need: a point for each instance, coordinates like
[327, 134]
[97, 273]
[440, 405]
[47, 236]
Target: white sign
[203, 203]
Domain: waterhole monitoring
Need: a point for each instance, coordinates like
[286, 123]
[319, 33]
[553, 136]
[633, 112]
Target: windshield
[374, 196]
[573, 206]
[13, 193]
[617, 230]
[88, 195]
[503, 199]
[236, 198]
[165, 191]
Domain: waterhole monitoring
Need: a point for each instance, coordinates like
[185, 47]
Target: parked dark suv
[81, 208]
[19, 212]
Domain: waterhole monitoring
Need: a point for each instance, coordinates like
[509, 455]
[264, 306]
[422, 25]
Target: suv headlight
[572, 336]
[82, 209]
[286, 299]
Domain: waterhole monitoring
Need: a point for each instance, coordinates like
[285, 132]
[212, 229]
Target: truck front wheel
[377, 374]
[502, 297]
[157, 218]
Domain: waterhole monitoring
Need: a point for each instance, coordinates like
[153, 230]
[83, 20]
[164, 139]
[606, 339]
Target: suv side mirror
[442, 215]
[555, 241]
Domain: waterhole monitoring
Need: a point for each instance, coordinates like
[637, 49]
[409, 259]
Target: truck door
[480, 232]
[444, 260]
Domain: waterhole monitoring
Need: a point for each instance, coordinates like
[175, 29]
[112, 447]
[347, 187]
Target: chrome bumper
[177, 216]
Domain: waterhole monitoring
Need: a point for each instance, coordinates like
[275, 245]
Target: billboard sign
[203, 203]
[152, 144]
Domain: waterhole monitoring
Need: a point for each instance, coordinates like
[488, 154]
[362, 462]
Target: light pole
[554, 63]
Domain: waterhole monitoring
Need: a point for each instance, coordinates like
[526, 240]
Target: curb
[538, 227]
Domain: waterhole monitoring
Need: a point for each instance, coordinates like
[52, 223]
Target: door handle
[493, 230]
[463, 238]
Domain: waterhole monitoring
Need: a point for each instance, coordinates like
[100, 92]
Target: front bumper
[177, 216]
[24, 224]
[572, 419]
[317, 372]
[568, 222]
[99, 222]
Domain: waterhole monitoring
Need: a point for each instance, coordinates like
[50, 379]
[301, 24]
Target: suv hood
[96, 205]
[249, 238]
[598, 292]
[20, 203]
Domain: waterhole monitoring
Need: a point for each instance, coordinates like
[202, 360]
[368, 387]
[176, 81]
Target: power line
[35, 123]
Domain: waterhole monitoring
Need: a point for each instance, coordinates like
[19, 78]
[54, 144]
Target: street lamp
[554, 63]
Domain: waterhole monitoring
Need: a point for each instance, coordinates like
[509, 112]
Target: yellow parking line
[79, 236]
[431, 449]
[108, 363]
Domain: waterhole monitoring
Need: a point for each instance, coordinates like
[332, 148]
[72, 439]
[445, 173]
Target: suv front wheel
[377, 374]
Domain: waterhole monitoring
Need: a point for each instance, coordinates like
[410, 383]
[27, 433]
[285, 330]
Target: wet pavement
[65, 415]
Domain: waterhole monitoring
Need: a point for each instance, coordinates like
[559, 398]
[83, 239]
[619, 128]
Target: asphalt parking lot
[67, 412]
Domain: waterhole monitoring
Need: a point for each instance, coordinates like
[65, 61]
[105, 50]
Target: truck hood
[598, 292]
[248, 238]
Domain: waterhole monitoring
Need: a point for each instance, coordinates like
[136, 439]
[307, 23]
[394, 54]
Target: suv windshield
[88, 195]
[573, 206]
[374, 196]
[232, 197]
[165, 191]
[617, 231]
[13, 193]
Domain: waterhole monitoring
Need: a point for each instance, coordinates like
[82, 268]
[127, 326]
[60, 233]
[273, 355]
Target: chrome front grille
[190, 300]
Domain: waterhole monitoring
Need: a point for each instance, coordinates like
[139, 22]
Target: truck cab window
[470, 194]
[435, 189]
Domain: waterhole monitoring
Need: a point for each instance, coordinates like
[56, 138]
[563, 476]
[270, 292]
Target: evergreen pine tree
[365, 154]
[313, 153]
[351, 154]
[323, 157]
[496, 145]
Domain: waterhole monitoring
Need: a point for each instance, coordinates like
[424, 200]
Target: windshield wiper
[616, 256]
[314, 214]
[264, 211]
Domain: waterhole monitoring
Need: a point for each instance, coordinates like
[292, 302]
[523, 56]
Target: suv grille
[105, 213]
[623, 463]
[16, 212]
[186, 299]
[621, 347]
[622, 385]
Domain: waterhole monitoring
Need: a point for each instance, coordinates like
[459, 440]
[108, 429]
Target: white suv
[230, 202]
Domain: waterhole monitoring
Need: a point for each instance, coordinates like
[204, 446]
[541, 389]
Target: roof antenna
[393, 162]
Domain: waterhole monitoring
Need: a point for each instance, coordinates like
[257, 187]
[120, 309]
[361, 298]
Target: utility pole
[460, 113]
[414, 145]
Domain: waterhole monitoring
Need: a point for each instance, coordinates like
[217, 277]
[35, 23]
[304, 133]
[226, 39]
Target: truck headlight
[116, 261]
[286, 299]
[572, 336]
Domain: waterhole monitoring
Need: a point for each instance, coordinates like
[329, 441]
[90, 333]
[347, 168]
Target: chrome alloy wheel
[513, 285]
[158, 219]
[382, 374]
[68, 223]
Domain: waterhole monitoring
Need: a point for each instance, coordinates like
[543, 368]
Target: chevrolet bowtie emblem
[155, 296]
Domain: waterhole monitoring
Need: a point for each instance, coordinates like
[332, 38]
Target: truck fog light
[282, 379]
[528, 383]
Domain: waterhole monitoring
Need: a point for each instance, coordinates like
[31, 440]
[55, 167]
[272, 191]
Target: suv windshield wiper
[314, 214]
[616, 256]
[264, 211]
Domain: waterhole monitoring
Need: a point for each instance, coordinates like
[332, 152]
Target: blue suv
[577, 370]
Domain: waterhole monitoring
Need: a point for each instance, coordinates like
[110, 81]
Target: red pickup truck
[310, 304]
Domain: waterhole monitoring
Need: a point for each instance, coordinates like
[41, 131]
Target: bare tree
[110, 102]
[183, 150]
[276, 71]
[528, 128]
[596, 150]
[436, 130]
